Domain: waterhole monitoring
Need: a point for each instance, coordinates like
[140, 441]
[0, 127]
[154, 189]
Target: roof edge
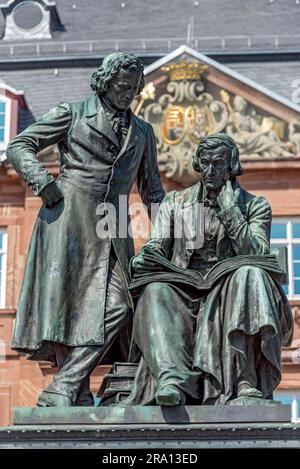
[222, 68]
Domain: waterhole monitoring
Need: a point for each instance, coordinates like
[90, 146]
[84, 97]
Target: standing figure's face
[123, 88]
[215, 168]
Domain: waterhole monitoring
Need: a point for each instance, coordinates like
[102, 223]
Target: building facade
[242, 82]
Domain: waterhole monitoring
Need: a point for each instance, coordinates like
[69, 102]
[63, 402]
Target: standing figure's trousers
[77, 363]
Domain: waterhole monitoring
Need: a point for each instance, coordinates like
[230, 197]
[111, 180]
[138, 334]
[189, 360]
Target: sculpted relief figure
[74, 301]
[211, 316]
[294, 136]
[254, 135]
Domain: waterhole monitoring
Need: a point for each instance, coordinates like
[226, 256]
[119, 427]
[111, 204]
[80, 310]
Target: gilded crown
[185, 70]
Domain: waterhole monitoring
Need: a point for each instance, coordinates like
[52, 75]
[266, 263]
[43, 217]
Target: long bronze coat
[63, 292]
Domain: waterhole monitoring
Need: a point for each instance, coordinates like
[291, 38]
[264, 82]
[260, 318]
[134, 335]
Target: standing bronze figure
[74, 300]
[221, 345]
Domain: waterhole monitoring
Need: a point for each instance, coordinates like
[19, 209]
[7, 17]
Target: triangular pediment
[188, 95]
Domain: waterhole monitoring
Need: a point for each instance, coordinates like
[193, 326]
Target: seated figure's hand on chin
[227, 197]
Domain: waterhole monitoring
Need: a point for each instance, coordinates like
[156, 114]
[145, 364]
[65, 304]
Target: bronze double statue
[210, 315]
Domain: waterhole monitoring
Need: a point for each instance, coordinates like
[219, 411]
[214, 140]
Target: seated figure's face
[215, 168]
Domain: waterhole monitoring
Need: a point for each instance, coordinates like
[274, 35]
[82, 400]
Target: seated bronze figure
[221, 344]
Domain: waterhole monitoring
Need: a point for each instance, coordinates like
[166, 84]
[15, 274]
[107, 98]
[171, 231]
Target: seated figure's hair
[111, 66]
[215, 141]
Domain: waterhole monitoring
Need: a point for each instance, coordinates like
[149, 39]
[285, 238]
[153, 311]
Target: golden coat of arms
[183, 107]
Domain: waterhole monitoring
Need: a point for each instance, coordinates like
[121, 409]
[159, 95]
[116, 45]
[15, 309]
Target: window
[2, 121]
[30, 19]
[3, 265]
[27, 15]
[5, 111]
[287, 233]
[292, 398]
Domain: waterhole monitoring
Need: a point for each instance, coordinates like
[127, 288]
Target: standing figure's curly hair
[111, 66]
[217, 140]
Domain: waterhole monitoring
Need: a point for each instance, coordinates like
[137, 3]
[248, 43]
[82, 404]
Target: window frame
[288, 241]
[37, 27]
[3, 264]
[7, 121]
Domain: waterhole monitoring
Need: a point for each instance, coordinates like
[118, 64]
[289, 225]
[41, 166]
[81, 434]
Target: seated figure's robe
[207, 344]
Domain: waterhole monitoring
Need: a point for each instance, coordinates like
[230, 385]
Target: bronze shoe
[170, 395]
[47, 399]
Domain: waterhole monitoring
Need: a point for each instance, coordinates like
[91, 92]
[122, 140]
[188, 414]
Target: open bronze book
[170, 273]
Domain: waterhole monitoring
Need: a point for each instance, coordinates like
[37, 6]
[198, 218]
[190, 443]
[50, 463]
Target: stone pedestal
[117, 427]
[150, 415]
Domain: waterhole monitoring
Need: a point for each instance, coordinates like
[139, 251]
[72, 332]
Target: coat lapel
[131, 137]
[190, 222]
[97, 119]
[223, 242]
